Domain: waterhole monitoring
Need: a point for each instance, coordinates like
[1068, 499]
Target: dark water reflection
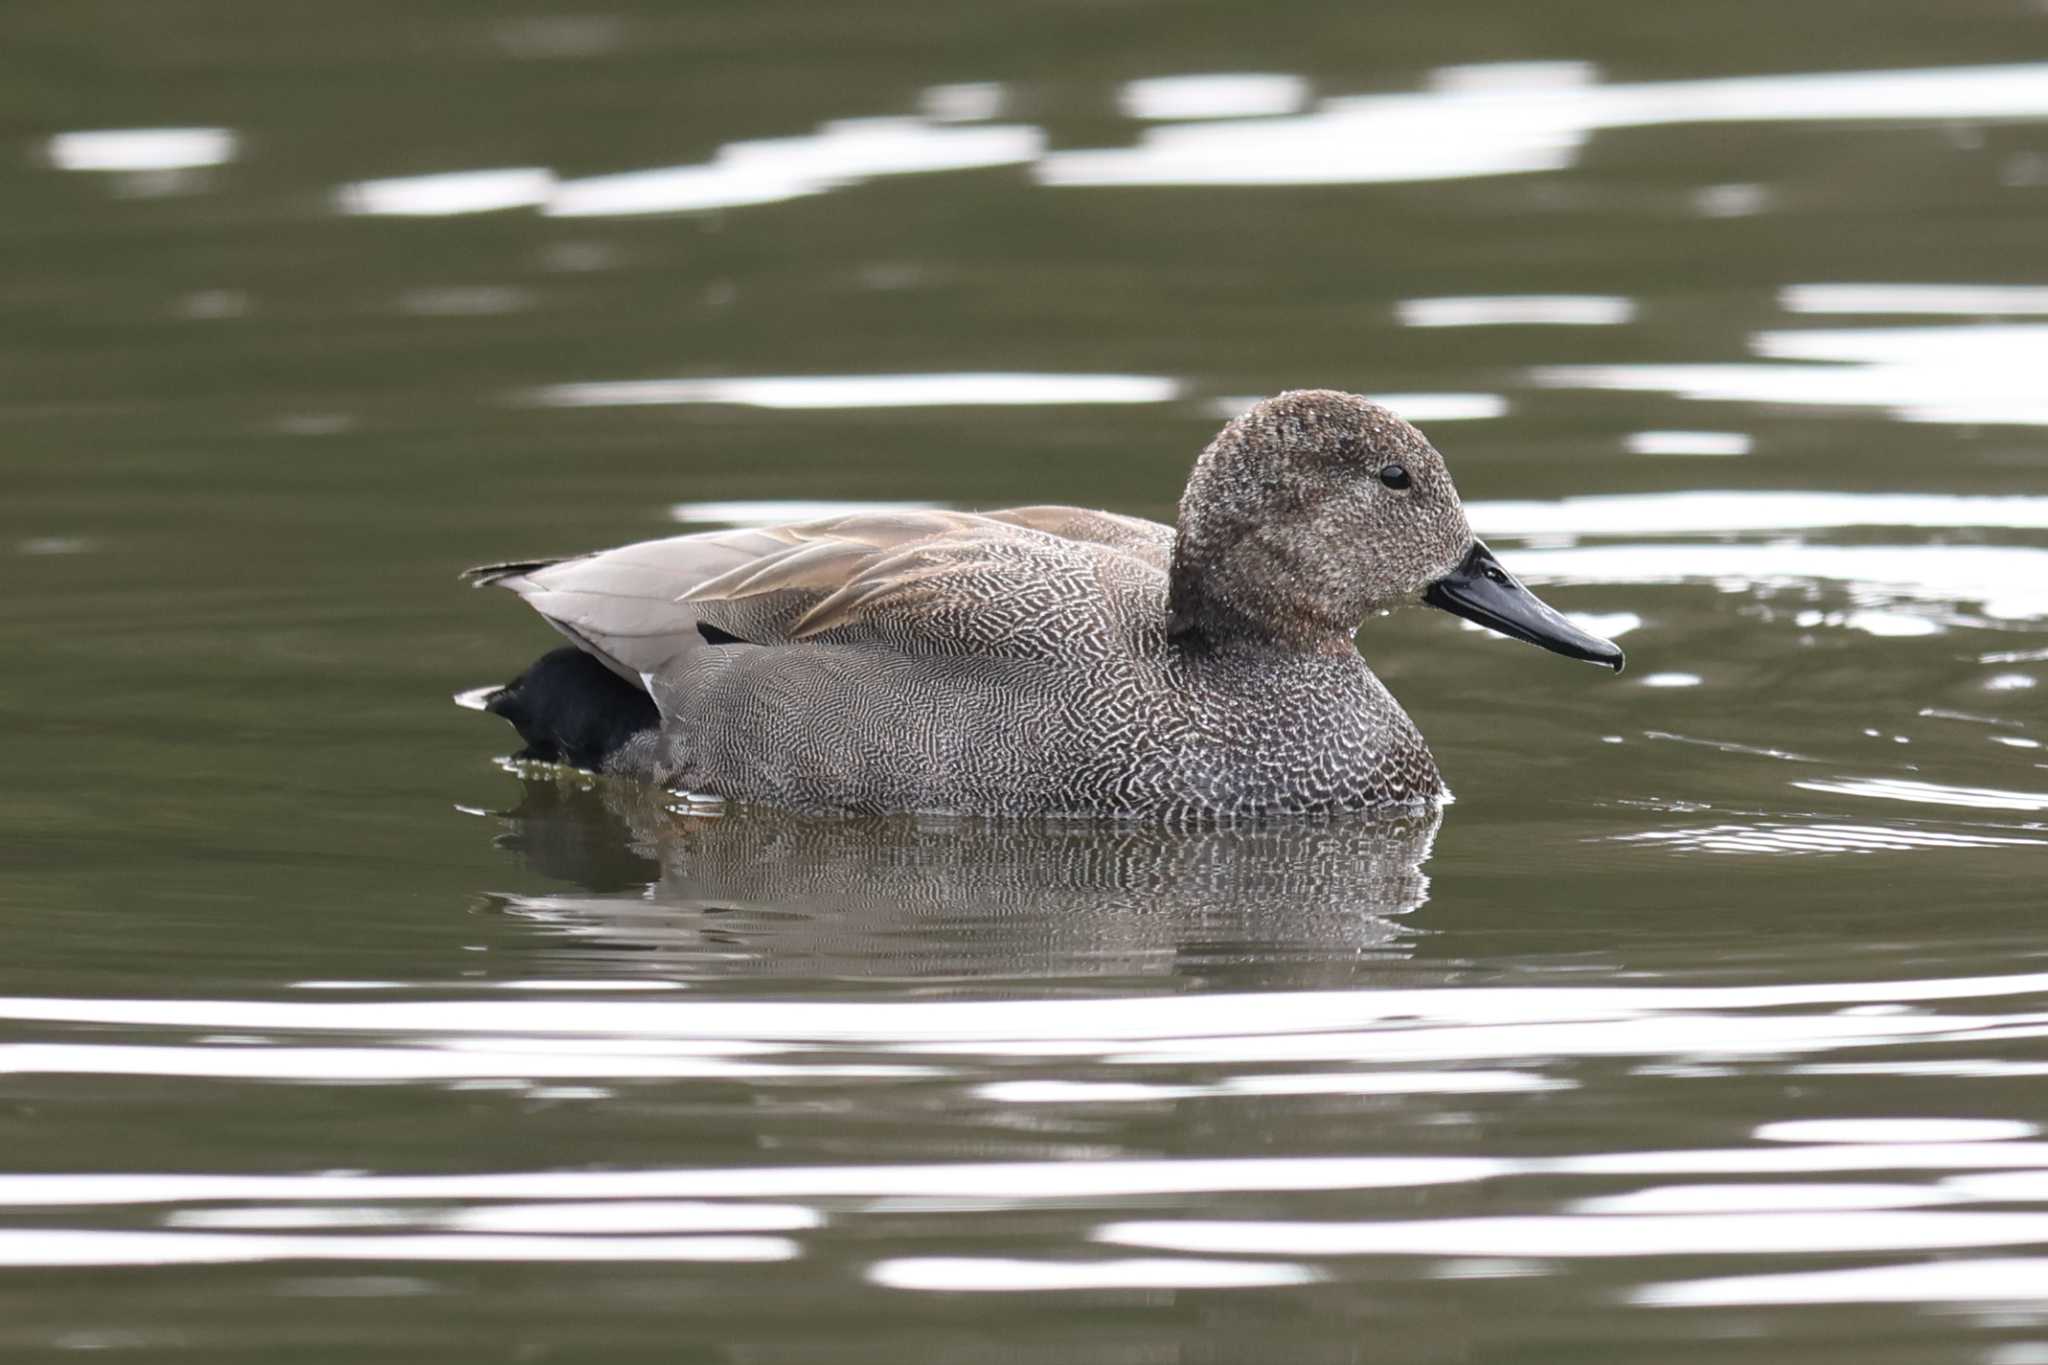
[755, 891]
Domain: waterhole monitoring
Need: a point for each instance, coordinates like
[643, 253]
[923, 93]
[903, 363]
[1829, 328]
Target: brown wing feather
[867, 575]
[1144, 540]
[939, 572]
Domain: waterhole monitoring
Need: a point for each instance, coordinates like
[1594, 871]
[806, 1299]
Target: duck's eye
[1395, 477]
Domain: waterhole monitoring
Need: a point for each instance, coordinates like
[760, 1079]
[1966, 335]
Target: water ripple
[1786, 837]
[865, 391]
[1521, 117]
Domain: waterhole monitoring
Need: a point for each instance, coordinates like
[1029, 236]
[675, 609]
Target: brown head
[1314, 510]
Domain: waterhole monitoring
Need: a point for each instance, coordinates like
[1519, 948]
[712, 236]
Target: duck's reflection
[761, 893]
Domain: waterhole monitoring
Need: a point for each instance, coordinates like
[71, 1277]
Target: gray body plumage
[938, 661]
[1042, 660]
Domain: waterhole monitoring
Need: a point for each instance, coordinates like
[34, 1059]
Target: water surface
[1707, 1023]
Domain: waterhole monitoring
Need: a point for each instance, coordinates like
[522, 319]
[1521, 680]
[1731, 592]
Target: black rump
[569, 708]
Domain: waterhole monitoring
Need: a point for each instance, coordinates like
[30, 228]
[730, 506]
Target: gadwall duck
[1039, 660]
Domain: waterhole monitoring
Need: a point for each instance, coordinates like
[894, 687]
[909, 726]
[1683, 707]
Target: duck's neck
[1203, 617]
[1200, 623]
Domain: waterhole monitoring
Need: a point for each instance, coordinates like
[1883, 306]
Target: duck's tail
[484, 575]
[569, 708]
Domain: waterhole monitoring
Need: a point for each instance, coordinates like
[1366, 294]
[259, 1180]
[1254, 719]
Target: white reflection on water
[1523, 119]
[1031, 1022]
[1368, 1041]
[1976, 373]
[1512, 77]
[1713, 512]
[1778, 1198]
[1672, 1235]
[1985, 1280]
[2008, 583]
[1737, 200]
[1009, 1180]
[609, 1216]
[1475, 120]
[990, 1274]
[1506, 310]
[624, 1216]
[1896, 1130]
[866, 391]
[465, 301]
[762, 171]
[545, 36]
[443, 195]
[1967, 300]
[315, 1065]
[270, 1217]
[1689, 443]
[1444, 407]
[1778, 837]
[83, 1247]
[2006, 1187]
[671, 1039]
[1361, 141]
[1674, 1034]
[141, 149]
[54, 545]
[771, 170]
[2005, 582]
[1404, 1082]
[964, 102]
[472, 700]
[1231, 94]
[1929, 793]
[1098, 1023]
[1895, 625]
[1804, 1160]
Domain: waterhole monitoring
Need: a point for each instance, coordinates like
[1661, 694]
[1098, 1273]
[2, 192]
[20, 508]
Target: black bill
[1479, 589]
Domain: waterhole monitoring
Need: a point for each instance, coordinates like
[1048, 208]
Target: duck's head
[1314, 510]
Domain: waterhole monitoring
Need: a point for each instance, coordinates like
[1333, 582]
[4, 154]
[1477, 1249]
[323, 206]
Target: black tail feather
[483, 575]
[570, 708]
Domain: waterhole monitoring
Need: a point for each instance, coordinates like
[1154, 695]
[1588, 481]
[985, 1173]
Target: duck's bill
[1479, 589]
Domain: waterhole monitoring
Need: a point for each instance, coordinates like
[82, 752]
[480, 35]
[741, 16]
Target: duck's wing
[1023, 580]
[1146, 541]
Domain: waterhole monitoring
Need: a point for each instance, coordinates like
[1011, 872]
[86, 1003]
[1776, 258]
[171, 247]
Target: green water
[402, 1054]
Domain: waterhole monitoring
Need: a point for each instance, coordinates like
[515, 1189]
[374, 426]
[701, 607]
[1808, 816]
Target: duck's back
[1005, 663]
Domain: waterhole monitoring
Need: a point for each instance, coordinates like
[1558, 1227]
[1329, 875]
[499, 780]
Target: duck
[1045, 661]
